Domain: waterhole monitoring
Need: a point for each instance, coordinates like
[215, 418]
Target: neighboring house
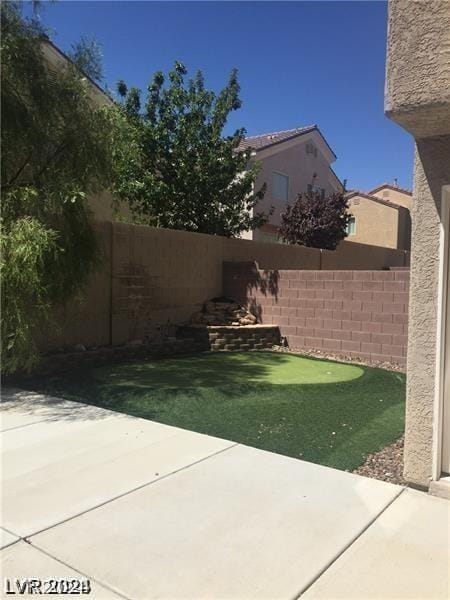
[291, 162]
[393, 193]
[418, 99]
[101, 204]
[380, 217]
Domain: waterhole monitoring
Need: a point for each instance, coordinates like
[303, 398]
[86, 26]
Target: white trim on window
[351, 230]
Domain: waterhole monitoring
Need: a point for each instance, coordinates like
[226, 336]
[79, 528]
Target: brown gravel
[387, 464]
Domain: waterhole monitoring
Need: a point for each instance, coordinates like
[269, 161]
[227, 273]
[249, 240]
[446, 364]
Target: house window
[280, 187]
[351, 226]
[316, 190]
[311, 149]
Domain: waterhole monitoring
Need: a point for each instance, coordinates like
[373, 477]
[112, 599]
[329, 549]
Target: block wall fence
[151, 278]
[354, 313]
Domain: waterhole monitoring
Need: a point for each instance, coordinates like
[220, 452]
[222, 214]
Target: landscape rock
[387, 464]
[223, 311]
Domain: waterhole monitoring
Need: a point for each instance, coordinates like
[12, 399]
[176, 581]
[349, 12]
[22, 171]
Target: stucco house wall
[102, 204]
[286, 153]
[300, 168]
[431, 172]
[418, 98]
[379, 222]
[390, 194]
[418, 66]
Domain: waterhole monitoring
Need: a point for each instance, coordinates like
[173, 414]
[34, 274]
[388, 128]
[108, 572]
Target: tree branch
[19, 172]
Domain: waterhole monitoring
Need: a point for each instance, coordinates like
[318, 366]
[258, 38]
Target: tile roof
[391, 187]
[352, 193]
[258, 142]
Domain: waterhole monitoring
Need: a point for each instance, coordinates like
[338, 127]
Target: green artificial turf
[321, 411]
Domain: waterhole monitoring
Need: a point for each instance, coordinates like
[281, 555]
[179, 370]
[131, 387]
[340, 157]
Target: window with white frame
[351, 226]
[280, 186]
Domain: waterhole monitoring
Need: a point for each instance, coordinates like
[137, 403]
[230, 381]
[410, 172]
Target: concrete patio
[144, 510]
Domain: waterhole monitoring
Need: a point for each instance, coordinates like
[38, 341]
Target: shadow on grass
[225, 369]
[233, 396]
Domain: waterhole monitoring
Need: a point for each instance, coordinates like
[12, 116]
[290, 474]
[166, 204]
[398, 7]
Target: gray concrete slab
[19, 408]
[7, 538]
[404, 554]
[21, 561]
[241, 524]
[74, 461]
[146, 510]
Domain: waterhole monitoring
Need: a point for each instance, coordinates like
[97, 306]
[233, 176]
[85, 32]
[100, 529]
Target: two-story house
[291, 162]
[380, 217]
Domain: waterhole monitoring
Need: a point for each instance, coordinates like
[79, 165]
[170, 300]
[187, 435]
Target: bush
[56, 150]
[316, 221]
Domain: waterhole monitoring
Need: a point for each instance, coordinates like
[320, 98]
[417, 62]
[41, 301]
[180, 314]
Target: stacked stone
[223, 312]
[250, 338]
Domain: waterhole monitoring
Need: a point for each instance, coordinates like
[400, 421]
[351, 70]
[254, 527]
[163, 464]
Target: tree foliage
[55, 147]
[180, 171]
[315, 221]
[86, 54]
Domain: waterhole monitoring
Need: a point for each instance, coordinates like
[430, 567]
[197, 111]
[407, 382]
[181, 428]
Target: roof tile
[258, 142]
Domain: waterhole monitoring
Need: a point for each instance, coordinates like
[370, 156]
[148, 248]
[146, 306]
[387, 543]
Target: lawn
[321, 411]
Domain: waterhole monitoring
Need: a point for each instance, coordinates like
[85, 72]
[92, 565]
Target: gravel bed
[387, 464]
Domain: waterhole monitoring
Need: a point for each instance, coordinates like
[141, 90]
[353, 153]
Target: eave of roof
[351, 195]
[48, 41]
[391, 187]
[337, 178]
[298, 132]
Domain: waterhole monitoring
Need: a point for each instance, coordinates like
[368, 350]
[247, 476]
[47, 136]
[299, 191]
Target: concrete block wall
[354, 313]
[151, 279]
[87, 319]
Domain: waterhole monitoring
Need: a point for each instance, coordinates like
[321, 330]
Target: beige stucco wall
[299, 167]
[432, 171]
[102, 204]
[418, 66]
[418, 98]
[396, 196]
[376, 223]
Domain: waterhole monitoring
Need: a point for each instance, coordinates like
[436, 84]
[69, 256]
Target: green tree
[55, 147]
[183, 173]
[86, 54]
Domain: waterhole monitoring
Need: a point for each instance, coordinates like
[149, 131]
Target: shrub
[56, 150]
[315, 221]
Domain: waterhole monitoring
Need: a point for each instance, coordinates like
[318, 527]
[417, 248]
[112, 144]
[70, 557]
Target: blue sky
[299, 63]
